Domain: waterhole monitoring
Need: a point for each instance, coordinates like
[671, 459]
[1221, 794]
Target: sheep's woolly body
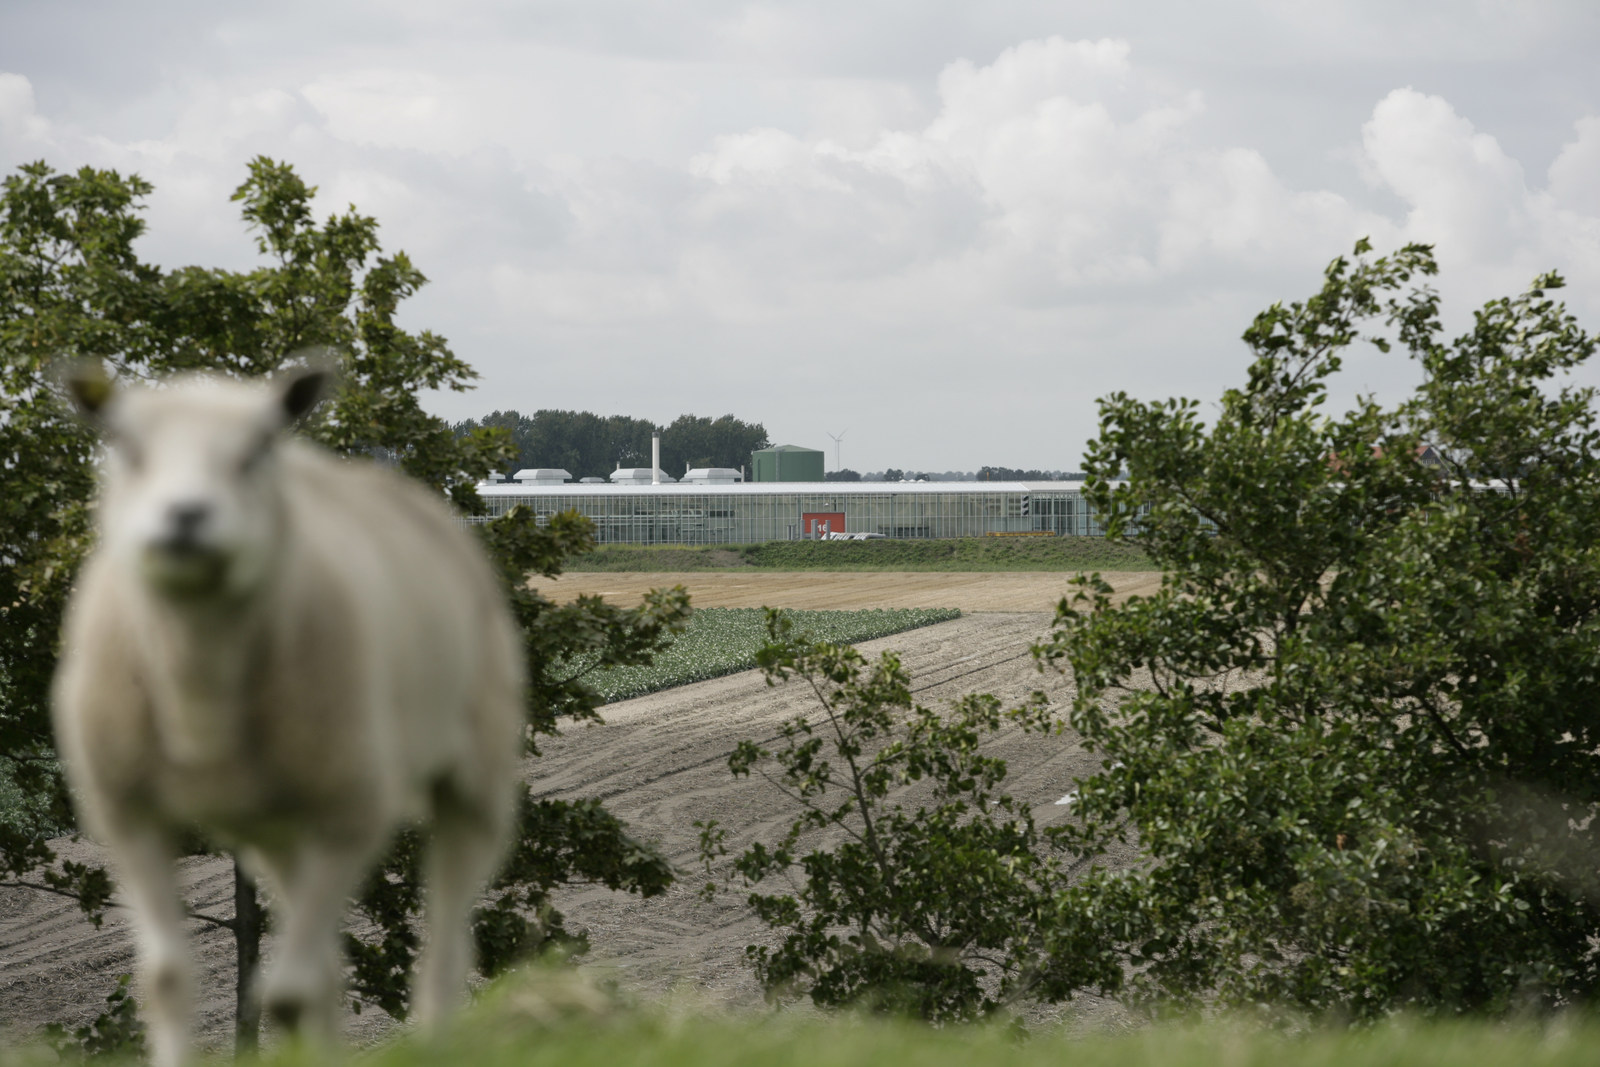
[365, 672]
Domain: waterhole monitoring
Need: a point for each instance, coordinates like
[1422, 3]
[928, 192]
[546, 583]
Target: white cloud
[1463, 190]
[989, 249]
[22, 130]
[1473, 202]
[1027, 179]
[1575, 174]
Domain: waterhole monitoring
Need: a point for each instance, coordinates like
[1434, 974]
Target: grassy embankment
[713, 1044]
[951, 554]
[536, 1019]
[723, 641]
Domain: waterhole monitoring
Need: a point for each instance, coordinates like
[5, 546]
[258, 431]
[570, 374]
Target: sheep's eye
[256, 454]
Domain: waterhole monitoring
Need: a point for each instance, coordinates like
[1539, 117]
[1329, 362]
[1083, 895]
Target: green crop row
[944, 554]
[722, 641]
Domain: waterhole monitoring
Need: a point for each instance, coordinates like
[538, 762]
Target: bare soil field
[660, 763]
[1025, 591]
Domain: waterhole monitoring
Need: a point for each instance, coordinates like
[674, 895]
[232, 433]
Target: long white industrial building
[713, 507]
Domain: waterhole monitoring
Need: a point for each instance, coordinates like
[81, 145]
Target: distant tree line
[587, 445]
[1016, 474]
[983, 474]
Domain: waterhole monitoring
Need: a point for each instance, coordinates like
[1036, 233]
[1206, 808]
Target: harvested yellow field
[1031, 591]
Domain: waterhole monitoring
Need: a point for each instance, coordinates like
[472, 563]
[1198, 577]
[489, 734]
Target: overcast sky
[945, 227]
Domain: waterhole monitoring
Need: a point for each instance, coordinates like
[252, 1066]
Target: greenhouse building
[713, 507]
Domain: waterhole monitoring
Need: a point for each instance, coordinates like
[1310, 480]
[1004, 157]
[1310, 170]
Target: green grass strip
[723, 641]
[533, 1027]
[948, 554]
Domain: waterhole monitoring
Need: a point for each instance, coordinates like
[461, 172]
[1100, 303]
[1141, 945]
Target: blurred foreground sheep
[297, 654]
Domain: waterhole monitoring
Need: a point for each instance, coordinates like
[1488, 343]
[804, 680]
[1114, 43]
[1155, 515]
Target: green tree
[944, 911]
[72, 286]
[70, 283]
[587, 445]
[1356, 730]
[694, 441]
[1017, 474]
[581, 443]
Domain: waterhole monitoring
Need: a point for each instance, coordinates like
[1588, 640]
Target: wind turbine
[836, 439]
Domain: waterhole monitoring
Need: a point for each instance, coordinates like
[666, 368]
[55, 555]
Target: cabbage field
[725, 640]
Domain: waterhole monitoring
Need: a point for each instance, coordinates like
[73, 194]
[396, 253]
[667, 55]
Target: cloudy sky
[944, 227]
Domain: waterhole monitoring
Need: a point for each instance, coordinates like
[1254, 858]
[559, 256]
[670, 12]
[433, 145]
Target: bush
[116, 1033]
[1355, 731]
[942, 912]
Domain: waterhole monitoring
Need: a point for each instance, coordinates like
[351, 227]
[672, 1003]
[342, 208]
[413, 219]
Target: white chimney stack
[655, 459]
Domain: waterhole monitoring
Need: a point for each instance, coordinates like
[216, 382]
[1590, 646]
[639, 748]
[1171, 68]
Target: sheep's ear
[301, 390]
[87, 383]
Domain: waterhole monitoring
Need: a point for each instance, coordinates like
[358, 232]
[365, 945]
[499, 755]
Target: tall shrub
[72, 286]
[1357, 731]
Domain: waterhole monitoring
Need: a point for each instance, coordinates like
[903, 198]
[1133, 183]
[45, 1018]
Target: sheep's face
[191, 494]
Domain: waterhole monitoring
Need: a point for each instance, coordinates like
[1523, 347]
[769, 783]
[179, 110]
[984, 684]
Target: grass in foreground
[725, 640]
[535, 1018]
[553, 1016]
[947, 554]
[784, 1042]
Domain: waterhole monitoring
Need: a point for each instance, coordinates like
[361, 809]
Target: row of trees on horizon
[587, 445]
[982, 474]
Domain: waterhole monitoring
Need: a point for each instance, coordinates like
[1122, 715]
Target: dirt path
[660, 763]
[848, 590]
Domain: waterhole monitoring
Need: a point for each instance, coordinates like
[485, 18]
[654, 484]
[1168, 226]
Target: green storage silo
[786, 463]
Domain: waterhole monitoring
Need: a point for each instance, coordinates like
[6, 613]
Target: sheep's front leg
[145, 859]
[301, 987]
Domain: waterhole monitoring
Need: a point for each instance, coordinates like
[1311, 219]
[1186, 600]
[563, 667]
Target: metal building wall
[638, 516]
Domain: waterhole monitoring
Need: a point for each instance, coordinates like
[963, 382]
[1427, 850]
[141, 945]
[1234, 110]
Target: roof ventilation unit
[640, 476]
[713, 476]
[542, 476]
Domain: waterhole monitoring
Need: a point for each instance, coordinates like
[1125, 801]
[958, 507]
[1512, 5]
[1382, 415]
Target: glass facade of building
[752, 512]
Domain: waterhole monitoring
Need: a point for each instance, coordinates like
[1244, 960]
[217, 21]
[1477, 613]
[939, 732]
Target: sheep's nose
[186, 520]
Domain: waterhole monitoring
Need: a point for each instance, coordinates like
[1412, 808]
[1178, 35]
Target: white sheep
[297, 654]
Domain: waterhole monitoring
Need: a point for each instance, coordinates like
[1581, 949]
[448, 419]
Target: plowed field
[1025, 591]
[660, 763]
